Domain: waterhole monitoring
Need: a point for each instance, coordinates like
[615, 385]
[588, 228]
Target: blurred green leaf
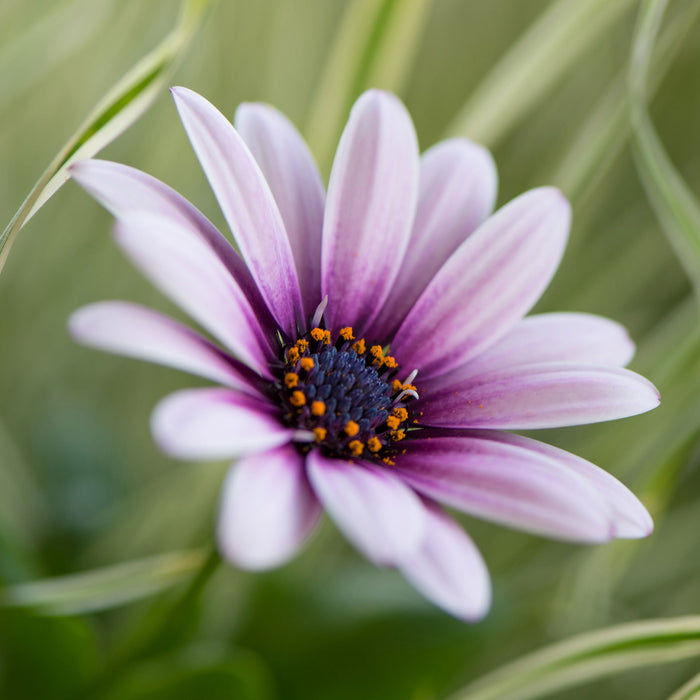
[533, 66]
[115, 113]
[689, 690]
[588, 657]
[104, 588]
[606, 130]
[45, 657]
[374, 48]
[674, 203]
[193, 675]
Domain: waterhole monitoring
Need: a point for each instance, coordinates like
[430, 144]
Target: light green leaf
[533, 66]
[589, 657]
[674, 203]
[374, 48]
[104, 588]
[689, 691]
[116, 112]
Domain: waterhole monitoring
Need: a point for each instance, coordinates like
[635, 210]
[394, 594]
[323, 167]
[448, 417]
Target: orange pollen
[393, 422]
[397, 435]
[320, 434]
[377, 353]
[318, 334]
[318, 408]
[400, 413]
[396, 386]
[292, 355]
[356, 448]
[409, 387]
[388, 461]
[352, 428]
[390, 362]
[302, 345]
[307, 363]
[291, 380]
[374, 444]
[346, 333]
[359, 347]
[297, 399]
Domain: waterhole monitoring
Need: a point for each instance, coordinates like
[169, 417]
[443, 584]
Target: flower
[372, 346]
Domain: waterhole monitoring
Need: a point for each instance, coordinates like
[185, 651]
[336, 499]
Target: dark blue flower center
[343, 396]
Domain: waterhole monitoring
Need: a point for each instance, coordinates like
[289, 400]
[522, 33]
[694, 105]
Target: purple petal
[381, 516]
[631, 518]
[247, 204]
[187, 271]
[268, 509]
[540, 396]
[212, 424]
[125, 191]
[449, 570]
[547, 338]
[487, 285]
[506, 483]
[294, 180]
[135, 331]
[457, 191]
[369, 210]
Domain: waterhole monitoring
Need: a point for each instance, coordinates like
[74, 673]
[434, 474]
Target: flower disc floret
[343, 395]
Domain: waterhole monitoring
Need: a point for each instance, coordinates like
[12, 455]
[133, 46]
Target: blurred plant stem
[374, 48]
[674, 203]
[533, 66]
[117, 111]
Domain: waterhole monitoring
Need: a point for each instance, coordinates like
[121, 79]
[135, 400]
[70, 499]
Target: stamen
[393, 422]
[307, 363]
[411, 377]
[318, 314]
[291, 380]
[318, 408]
[406, 392]
[356, 448]
[352, 428]
[320, 434]
[346, 333]
[374, 444]
[359, 347]
[297, 399]
[292, 355]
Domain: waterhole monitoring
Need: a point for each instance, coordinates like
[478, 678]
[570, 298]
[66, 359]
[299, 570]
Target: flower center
[343, 395]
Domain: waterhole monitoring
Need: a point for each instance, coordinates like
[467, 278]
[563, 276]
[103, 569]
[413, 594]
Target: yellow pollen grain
[389, 461]
[291, 380]
[397, 435]
[390, 362]
[320, 434]
[297, 399]
[409, 387]
[352, 428]
[374, 444]
[318, 334]
[356, 448]
[400, 413]
[292, 355]
[318, 408]
[359, 347]
[377, 353]
[393, 422]
[307, 363]
[396, 386]
[346, 333]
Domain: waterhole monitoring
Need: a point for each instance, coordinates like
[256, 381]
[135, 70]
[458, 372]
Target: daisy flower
[369, 345]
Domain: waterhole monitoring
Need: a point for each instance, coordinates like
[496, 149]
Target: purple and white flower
[369, 345]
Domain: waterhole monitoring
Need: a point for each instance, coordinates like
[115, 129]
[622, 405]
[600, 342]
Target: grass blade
[533, 66]
[374, 48]
[115, 113]
[589, 657]
[689, 691]
[104, 588]
[675, 205]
